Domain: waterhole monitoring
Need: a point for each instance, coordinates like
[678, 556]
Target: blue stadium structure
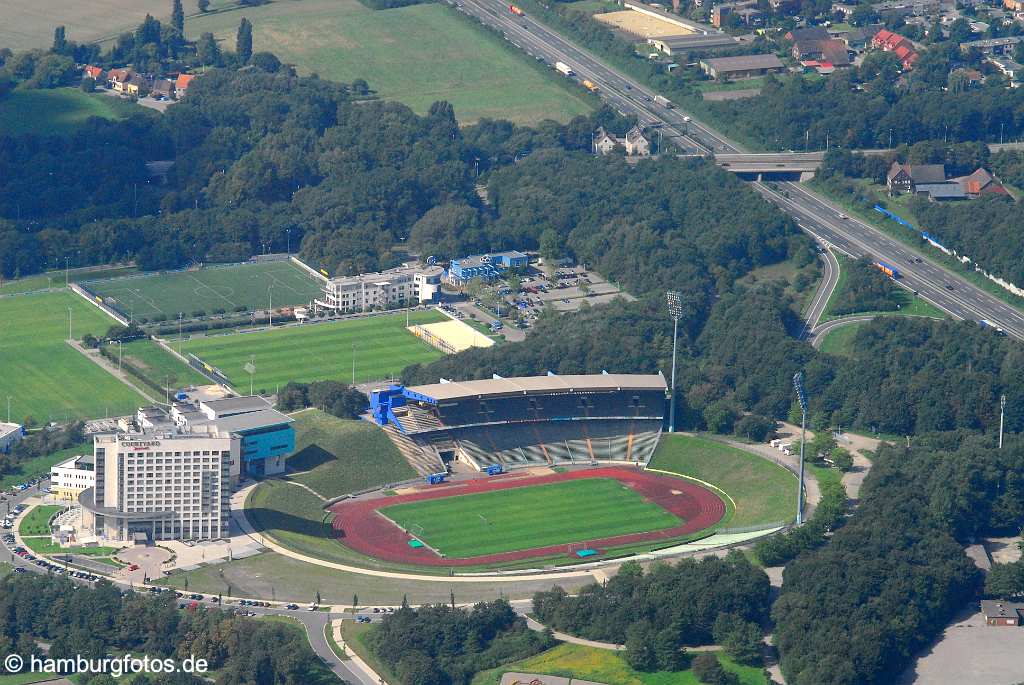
[526, 421]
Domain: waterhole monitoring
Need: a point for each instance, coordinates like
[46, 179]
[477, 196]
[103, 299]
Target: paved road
[818, 334]
[817, 216]
[829, 280]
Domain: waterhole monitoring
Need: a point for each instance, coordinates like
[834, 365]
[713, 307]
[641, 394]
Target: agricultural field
[763, 491]
[529, 517]
[57, 111]
[29, 24]
[417, 55]
[604, 666]
[380, 345]
[158, 364]
[38, 466]
[227, 288]
[44, 376]
[338, 456]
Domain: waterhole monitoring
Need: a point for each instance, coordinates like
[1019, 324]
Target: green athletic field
[44, 376]
[207, 290]
[321, 351]
[529, 517]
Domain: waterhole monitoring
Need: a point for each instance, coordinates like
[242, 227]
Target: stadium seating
[423, 461]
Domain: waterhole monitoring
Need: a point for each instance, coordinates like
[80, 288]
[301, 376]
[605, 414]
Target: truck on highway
[985, 323]
[663, 101]
[888, 269]
[516, 11]
[564, 69]
[590, 85]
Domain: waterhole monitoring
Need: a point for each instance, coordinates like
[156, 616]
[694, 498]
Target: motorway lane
[830, 278]
[815, 214]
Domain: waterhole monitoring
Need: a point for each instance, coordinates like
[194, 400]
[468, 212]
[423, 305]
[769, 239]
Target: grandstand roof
[540, 384]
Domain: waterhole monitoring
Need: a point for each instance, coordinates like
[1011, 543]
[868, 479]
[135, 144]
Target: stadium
[526, 471]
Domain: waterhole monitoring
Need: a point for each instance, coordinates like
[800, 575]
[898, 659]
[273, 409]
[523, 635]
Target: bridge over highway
[770, 162]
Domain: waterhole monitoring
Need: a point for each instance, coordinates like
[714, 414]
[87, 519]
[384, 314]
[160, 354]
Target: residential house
[182, 83]
[979, 183]
[745, 10]
[807, 34]
[604, 143]
[924, 179]
[93, 72]
[117, 78]
[1014, 5]
[830, 51]
[162, 87]
[893, 9]
[637, 144]
[898, 45]
[137, 85]
[741, 67]
[855, 39]
[1008, 68]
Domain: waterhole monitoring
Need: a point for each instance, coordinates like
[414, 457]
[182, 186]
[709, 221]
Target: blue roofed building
[486, 267]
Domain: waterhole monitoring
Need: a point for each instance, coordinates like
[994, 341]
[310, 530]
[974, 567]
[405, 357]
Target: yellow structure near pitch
[451, 336]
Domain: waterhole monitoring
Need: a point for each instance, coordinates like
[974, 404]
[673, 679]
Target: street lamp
[1002, 410]
[801, 396]
[675, 310]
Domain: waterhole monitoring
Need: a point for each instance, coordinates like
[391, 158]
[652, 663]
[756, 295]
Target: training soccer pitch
[227, 288]
[529, 517]
[44, 376]
[321, 351]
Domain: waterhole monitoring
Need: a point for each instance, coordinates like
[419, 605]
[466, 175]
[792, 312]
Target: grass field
[840, 340]
[604, 666]
[319, 351]
[416, 55]
[209, 289]
[339, 456]
[529, 517]
[56, 278]
[910, 304]
[45, 377]
[27, 24]
[37, 520]
[57, 111]
[43, 545]
[41, 465]
[158, 364]
[764, 492]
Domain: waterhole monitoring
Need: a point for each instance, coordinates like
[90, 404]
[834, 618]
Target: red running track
[361, 527]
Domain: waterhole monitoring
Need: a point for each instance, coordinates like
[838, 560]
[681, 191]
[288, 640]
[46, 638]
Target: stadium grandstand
[526, 421]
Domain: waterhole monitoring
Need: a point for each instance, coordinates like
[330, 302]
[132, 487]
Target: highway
[817, 216]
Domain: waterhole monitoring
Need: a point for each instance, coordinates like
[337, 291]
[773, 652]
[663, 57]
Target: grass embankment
[910, 304]
[604, 666]
[339, 456]
[530, 517]
[58, 111]
[44, 376]
[381, 345]
[37, 520]
[57, 277]
[763, 491]
[417, 55]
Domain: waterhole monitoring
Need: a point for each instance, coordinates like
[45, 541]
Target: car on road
[949, 287]
[292, 607]
[843, 216]
[363, 619]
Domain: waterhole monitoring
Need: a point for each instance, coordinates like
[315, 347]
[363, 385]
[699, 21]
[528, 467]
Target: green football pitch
[529, 517]
[252, 286]
[44, 376]
[380, 346]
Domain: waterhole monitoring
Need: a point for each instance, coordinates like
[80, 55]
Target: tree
[1005, 581]
[709, 670]
[960, 31]
[207, 50]
[267, 61]
[203, 5]
[640, 652]
[740, 639]
[60, 42]
[669, 653]
[88, 85]
[178, 16]
[842, 459]
[243, 41]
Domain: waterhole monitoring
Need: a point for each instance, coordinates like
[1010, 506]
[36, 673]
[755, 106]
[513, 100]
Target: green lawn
[416, 54]
[529, 517]
[158, 364]
[44, 376]
[252, 286]
[839, 341]
[37, 520]
[339, 456]
[24, 678]
[57, 277]
[319, 351]
[763, 491]
[44, 545]
[39, 466]
[605, 666]
[57, 111]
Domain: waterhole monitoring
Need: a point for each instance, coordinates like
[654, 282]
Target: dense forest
[866, 289]
[96, 621]
[445, 645]
[857, 609]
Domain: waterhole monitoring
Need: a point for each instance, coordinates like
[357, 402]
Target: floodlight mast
[675, 310]
[801, 396]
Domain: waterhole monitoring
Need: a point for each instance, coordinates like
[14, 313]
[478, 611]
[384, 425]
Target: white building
[71, 477]
[10, 433]
[409, 284]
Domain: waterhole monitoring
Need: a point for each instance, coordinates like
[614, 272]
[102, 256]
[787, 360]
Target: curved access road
[829, 280]
[818, 333]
